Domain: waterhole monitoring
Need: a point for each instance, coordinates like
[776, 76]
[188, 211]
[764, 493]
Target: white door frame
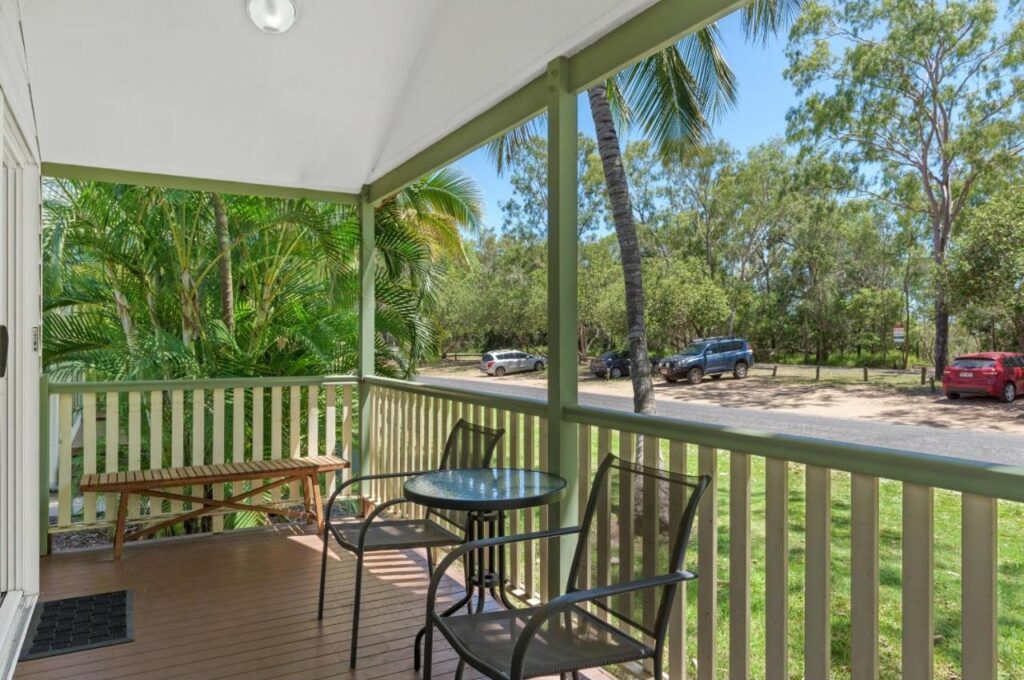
[20, 220]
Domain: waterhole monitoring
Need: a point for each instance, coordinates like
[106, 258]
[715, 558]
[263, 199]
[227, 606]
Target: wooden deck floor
[244, 606]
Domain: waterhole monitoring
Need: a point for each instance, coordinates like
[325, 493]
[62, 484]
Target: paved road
[982, 446]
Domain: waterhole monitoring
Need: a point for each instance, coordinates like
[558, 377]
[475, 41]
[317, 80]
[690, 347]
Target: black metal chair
[468, 446]
[623, 617]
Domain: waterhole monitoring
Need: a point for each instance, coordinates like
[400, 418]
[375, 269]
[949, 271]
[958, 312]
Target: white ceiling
[191, 88]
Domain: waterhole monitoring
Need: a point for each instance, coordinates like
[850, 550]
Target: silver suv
[501, 361]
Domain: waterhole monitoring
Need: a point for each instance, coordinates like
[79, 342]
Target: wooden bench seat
[153, 483]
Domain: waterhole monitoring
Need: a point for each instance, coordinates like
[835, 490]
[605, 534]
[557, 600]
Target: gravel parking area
[871, 402]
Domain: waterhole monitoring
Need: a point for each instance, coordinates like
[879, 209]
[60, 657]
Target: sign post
[899, 334]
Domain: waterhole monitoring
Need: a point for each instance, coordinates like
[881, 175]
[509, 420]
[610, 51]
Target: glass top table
[487, 489]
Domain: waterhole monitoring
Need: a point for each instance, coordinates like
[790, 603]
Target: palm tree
[142, 282]
[670, 97]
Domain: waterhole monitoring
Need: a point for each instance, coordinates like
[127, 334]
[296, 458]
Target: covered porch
[243, 604]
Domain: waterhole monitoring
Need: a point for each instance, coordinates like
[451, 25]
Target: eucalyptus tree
[932, 93]
[670, 97]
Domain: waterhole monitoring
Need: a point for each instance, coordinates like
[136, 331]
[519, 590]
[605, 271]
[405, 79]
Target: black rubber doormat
[75, 624]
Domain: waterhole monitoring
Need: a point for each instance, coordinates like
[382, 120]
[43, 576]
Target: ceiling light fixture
[272, 16]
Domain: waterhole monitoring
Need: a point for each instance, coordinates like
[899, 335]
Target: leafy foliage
[132, 289]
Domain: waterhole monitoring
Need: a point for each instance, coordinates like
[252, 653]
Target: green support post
[44, 465]
[562, 309]
[367, 311]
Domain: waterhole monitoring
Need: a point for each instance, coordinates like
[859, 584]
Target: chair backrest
[636, 525]
[469, 446]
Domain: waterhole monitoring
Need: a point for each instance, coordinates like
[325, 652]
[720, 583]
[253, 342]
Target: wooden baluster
[65, 483]
[331, 430]
[177, 440]
[585, 474]
[978, 587]
[294, 434]
[112, 413]
[529, 567]
[817, 574]
[135, 444]
[545, 520]
[515, 519]
[864, 577]
[198, 439]
[739, 566]
[238, 439]
[218, 452]
[707, 568]
[156, 443]
[627, 499]
[677, 622]
[89, 452]
[603, 518]
[312, 432]
[313, 421]
[276, 436]
[258, 449]
[776, 568]
[346, 434]
[918, 655]
[650, 513]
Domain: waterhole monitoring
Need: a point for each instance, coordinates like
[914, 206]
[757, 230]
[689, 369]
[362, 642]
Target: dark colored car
[615, 364]
[709, 356]
[995, 374]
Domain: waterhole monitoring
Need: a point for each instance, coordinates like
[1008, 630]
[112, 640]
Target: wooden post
[817, 372]
[865, 374]
[563, 443]
[924, 374]
[367, 331]
[775, 370]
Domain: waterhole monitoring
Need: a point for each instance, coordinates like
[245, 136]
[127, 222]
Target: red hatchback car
[996, 374]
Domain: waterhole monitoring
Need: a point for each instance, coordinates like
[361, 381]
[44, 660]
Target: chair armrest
[366, 478]
[466, 548]
[562, 602]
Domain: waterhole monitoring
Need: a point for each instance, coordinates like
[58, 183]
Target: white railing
[794, 531]
[127, 426]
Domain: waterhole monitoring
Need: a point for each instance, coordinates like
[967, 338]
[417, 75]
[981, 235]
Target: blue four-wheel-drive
[709, 356]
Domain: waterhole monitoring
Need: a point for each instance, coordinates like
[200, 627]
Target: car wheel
[500, 371]
[616, 372]
[539, 366]
[739, 371]
[952, 395]
[694, 376]
[1009, 393]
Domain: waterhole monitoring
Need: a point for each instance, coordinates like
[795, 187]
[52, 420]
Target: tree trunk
[124, 313]
[629, 248]
[227, 288]
[941, 330]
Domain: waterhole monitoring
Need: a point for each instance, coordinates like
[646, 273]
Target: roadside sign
[899, 334]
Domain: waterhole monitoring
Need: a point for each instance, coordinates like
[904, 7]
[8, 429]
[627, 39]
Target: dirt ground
[881, 403]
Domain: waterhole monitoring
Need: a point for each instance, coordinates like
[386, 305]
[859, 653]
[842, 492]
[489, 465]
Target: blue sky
[760, 112]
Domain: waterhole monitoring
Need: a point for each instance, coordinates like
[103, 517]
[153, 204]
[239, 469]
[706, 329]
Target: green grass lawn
[946, 588]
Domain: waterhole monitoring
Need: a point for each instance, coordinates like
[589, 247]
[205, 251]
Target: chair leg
[323, 575]
[428, 650]
[355, 611]
[461, 667]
